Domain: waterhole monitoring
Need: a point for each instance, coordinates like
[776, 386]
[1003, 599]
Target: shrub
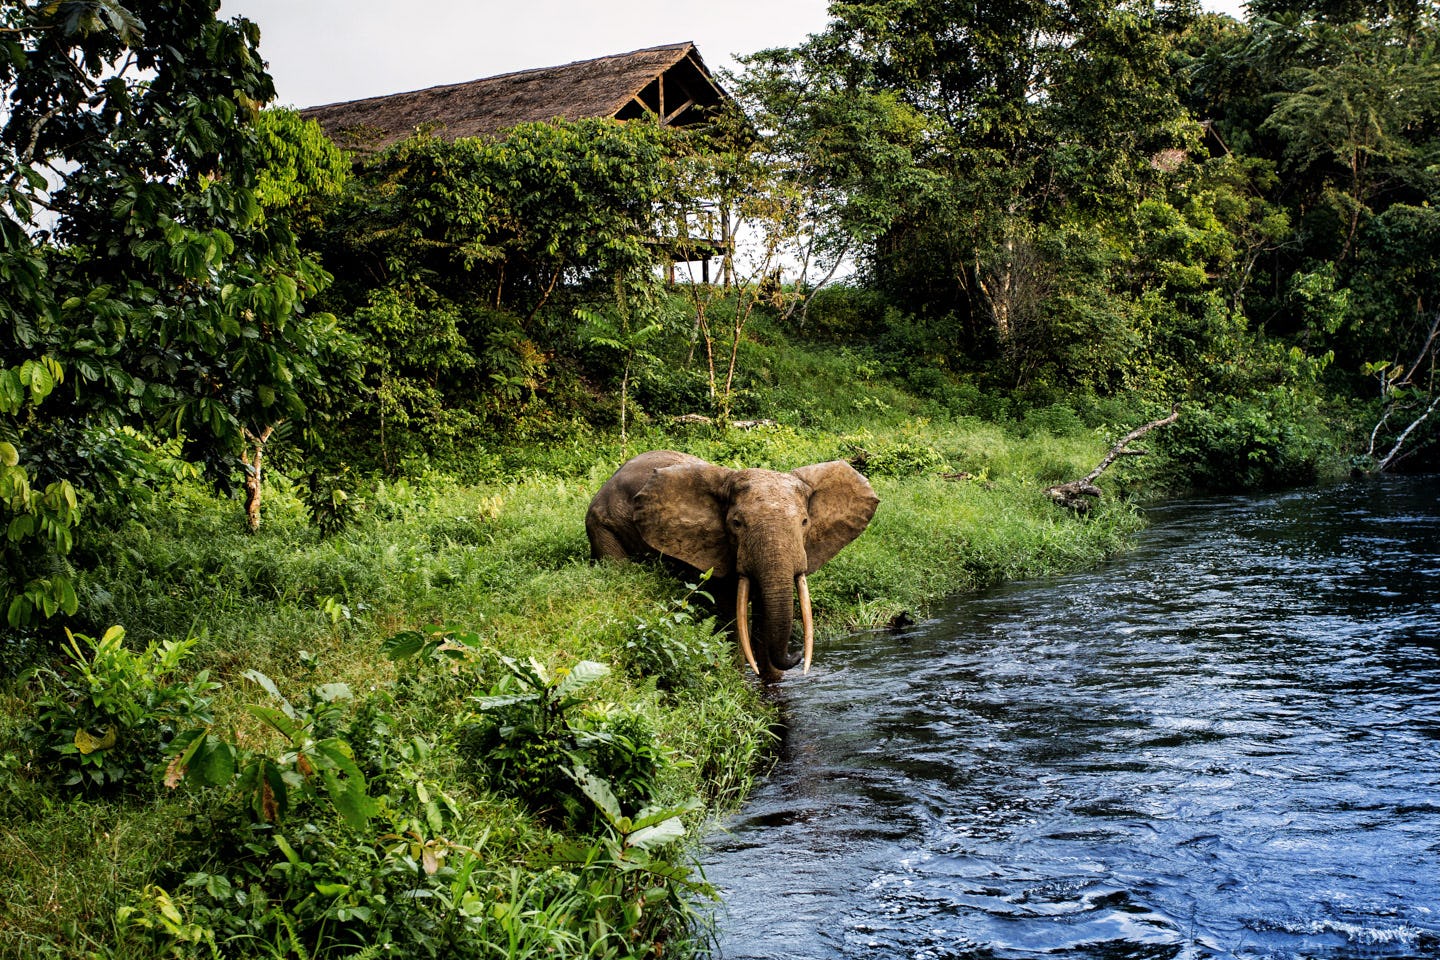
[1058, 420]
[1269, 441]
[533, 732]
[106, 716]
[673, 644]
[893, 458]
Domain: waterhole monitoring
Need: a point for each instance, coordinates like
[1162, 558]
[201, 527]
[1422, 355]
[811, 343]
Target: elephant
[764, 526]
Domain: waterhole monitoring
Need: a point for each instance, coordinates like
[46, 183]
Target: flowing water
[1224, 744]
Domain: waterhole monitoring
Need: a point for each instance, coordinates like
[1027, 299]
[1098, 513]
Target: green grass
[961, 507]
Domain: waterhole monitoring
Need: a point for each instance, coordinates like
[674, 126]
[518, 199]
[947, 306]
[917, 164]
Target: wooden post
[727, 262]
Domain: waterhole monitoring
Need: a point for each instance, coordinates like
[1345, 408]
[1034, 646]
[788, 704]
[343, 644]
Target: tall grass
[501, 554]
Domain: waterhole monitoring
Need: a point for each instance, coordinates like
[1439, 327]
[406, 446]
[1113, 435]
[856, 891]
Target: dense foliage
[1144, 198]
[141, 274]
[405, 714]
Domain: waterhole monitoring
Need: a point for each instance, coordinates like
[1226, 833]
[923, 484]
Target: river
[1225, 743]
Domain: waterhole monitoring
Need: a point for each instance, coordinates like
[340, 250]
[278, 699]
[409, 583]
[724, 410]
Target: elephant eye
[805, 521]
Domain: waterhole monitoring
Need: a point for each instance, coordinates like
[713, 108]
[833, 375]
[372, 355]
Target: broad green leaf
[87, 743]
[330, 692]
[599, 791]
[215, 764]
[582, 674]
[277, 719]
[268, 685]
[653, 815]
[648, 838]
[404, 645]
[347, 792]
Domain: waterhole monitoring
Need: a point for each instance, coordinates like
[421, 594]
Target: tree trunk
[253, 457]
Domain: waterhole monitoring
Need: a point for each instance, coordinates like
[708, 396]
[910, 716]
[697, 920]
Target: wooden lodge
[669, 83]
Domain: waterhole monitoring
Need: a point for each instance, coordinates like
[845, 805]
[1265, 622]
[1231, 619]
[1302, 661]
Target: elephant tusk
[807, 621]
[742, 620]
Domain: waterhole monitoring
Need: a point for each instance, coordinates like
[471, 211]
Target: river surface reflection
[1224, 744]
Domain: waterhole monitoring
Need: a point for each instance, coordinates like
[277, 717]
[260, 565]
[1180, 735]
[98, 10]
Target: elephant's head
[769, 529]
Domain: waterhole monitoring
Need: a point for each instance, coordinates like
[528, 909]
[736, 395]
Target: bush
[1058, 420]
[673, 645]
[532, 733]
[876, 457]
[844, 314]
[1267, 442]
[106, 716]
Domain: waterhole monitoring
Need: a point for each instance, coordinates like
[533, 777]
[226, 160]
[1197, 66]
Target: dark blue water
[1224, 744]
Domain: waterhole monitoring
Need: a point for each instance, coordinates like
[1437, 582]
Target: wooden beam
[668, 118]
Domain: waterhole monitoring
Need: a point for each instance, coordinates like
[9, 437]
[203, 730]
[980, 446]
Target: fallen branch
[1390, 389]
[1075, 493]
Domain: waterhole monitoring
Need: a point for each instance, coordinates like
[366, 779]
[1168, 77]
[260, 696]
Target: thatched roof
[670, 82]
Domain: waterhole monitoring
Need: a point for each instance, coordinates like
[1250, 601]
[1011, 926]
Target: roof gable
[670, 82]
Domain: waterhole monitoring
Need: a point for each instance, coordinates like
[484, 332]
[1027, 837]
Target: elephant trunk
[775, 615]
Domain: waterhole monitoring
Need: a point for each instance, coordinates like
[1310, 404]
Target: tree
[1357, 121]
[726, 185]
[462, 263]
[142, 266]
[945, 139]
[851, 156]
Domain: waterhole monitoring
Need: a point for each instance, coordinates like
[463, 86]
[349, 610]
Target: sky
[325, 51]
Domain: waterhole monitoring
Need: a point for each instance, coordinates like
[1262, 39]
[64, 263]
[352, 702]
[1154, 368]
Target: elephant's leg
[604, 545]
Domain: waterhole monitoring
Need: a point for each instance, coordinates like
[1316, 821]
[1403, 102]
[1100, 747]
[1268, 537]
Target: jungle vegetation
[302, 653]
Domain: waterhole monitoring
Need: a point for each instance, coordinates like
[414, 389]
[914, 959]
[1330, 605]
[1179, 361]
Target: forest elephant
[759, 527]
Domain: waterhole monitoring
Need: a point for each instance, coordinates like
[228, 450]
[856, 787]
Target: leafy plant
[674, 643]
[1272, 440]
[329, 503]
[524, 736]
[533, 731]
[314, 761]
[107, 715]
[623, 334]
[651, 897]
[39, 524]
[893, 458]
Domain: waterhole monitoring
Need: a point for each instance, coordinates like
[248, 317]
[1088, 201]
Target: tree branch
[1400, 441]
[1074, 493]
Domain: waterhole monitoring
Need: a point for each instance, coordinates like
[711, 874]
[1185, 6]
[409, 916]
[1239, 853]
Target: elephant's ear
[681, 513]
[840, 509]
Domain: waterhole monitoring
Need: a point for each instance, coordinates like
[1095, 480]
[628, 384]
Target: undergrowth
[435, 728]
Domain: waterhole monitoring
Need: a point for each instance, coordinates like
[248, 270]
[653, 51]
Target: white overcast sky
[324, 51]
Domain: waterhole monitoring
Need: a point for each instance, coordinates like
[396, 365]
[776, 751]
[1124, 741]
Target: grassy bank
[478, 786]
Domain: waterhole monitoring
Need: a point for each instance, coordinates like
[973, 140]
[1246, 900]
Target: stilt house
[670, 83]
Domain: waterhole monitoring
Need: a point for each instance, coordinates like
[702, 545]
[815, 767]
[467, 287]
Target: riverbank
[403, 706]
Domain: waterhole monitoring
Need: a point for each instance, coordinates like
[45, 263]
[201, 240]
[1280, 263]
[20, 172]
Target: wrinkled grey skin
[764, 525]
